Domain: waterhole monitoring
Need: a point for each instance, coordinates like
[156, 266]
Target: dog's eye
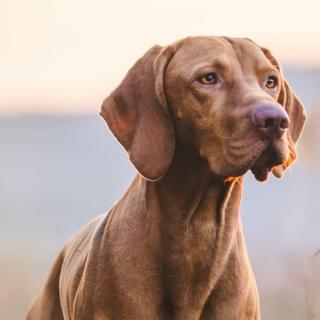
[271, 82]
[208, 78]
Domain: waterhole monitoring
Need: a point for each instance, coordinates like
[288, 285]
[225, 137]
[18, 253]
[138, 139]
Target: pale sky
[67, 55]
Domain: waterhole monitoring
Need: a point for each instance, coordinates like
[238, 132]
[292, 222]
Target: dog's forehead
[234, 52]
[194, 50]
[249, 53]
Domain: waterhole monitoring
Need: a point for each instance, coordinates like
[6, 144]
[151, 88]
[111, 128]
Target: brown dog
[194, 117]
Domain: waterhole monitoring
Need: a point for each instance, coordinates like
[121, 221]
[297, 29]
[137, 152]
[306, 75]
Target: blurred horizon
[305, 81]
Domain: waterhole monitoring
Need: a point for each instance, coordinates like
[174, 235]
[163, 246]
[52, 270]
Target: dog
[194, 117]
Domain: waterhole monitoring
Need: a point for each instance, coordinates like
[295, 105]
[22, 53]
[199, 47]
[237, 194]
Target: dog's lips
[261, 169]
[274, 154]
[262, 173]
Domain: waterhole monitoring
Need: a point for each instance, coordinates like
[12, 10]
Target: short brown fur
[172, 248]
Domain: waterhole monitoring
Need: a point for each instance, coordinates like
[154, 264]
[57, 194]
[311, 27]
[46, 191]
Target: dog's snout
[271, 120]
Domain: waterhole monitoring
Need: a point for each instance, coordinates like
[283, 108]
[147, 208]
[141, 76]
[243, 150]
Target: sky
[65, 56]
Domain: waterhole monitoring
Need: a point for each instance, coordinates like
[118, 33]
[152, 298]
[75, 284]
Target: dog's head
[223, 98]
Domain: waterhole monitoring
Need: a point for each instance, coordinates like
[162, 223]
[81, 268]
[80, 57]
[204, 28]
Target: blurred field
[58, 172]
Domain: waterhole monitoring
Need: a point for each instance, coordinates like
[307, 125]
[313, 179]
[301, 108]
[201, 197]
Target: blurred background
[60, 167]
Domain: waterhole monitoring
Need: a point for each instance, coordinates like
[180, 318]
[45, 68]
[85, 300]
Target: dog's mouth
[275, 154]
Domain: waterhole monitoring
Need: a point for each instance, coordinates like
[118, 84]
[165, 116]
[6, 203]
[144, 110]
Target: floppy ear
[137, 114]
[296, 112]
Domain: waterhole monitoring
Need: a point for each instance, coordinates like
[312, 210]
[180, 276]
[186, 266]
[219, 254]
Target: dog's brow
[264, 69]
[221, 65]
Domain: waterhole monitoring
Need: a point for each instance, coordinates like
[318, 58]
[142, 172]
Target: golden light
[65, 56]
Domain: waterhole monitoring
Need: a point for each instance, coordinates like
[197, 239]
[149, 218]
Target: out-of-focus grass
[22, 275]
[26, 271]
[312, 285]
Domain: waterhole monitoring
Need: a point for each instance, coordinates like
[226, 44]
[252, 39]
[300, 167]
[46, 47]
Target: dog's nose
[271, 120]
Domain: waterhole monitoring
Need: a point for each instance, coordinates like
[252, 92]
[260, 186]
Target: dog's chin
[230, 173]
[275, 154]
[260, 162]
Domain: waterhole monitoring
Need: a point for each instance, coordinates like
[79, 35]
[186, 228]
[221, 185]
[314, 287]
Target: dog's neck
[189, 184]
[199, 230]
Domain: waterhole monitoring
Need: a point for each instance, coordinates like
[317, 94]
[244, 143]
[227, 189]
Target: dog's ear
[294, 107]
[137, 114]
